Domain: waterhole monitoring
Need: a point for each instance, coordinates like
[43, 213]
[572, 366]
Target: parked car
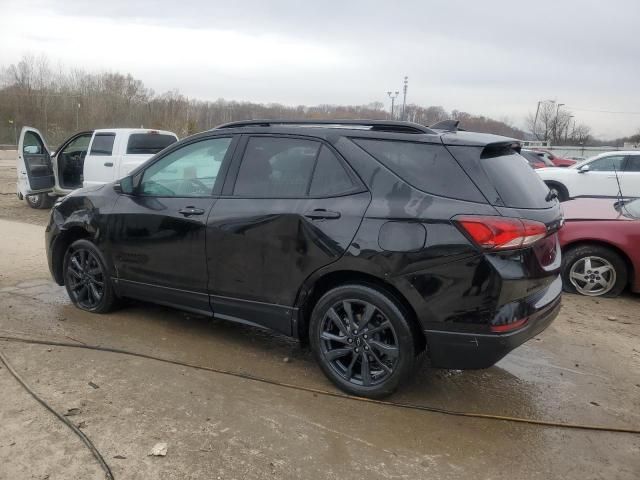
[601, 246]
[536, 159]
[93, 157]
[555, 159]
[596, 176]
[373, 240]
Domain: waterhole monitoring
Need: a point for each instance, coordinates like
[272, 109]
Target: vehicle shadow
[172, 334]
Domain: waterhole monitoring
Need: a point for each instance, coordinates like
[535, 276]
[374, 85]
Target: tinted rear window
[102, 144]
[515, 181]
[148, 143]
[427, 167]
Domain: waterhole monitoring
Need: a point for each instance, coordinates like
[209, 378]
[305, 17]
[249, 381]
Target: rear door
[290, 206]
[100, 162]
[35, 168]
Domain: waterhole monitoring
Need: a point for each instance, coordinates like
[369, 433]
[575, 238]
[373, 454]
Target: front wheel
[363, 341]
[39, 200]
[86, 278]
[594, 271]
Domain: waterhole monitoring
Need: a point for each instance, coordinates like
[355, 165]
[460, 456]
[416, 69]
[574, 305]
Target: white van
[87, 158]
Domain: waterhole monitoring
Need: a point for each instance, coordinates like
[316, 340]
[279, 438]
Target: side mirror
[583, 169]
[125, 185]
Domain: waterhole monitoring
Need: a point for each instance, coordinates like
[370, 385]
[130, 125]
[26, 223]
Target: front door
[35, 169]
[600, 179]
[291, 206]
[630, 179]
[157, 235]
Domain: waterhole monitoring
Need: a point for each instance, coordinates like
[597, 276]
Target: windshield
[583, 162]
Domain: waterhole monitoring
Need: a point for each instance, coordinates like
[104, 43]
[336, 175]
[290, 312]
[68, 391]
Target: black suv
[373, 240]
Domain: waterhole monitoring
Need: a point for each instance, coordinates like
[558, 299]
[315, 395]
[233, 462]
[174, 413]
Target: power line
[603, 111]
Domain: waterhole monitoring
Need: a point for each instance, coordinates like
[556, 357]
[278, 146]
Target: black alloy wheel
[86, 279]
[359, 342]
[362, 340]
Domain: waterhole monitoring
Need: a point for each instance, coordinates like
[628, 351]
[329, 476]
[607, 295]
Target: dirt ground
[585, 368]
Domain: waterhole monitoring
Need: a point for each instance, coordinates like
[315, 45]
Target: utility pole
[557, 134]
[535, 120]
[393, 96]
[404, 98]
[566, 132]
[78, 118]
[15, 132]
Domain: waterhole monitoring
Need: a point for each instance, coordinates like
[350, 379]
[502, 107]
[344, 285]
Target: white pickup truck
[84, 159]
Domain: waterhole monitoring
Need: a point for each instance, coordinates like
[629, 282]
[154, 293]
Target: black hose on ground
[327, 393]
[89, 444]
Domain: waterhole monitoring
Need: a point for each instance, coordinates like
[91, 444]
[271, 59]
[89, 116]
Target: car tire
[87, 278]
[39, 200]
[608, 271]
[561, 191]
[363, 340]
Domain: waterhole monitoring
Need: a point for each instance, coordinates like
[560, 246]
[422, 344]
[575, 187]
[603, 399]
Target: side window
[102, 144]
[276, 167]
[190, 171]
[607, 164]
[329, 176]
[426, 166]
[32, 145]
[77, 146]
[633, 163]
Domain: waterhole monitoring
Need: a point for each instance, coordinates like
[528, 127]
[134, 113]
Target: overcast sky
[493, 57]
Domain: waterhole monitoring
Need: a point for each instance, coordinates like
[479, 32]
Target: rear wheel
[86, 278]
[594, 271]
[363, 340]
[39, 200]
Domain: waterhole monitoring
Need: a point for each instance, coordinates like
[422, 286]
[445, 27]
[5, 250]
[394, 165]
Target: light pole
[404, 98]
[15, 132]
[393, 96]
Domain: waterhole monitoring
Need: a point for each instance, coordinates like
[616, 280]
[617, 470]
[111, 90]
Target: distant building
[631, 146]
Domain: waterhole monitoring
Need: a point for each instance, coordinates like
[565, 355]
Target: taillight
[501, 233]
[507, 327]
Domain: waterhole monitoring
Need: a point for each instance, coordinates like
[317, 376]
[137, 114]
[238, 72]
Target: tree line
[59, 101]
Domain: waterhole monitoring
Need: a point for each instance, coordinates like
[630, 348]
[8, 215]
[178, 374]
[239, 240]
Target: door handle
[188, 211]
[108, 164]
[322, 214]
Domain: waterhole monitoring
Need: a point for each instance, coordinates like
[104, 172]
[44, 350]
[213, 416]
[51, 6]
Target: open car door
[35, 169]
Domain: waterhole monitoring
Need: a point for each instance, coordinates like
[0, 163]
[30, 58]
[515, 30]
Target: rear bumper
[463, 350]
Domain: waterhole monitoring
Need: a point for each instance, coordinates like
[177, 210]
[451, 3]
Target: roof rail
[446, 125]
[375, 125]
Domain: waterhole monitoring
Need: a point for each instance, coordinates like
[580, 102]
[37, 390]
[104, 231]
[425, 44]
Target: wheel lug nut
[357, 350]
[366, 336]
[366, 347]
[355, 332]
[350, 340]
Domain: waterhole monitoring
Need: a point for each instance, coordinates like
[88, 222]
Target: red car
[557, 161]
[600, 243]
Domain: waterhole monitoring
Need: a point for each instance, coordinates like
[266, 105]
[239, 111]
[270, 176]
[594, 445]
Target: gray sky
[493, 57]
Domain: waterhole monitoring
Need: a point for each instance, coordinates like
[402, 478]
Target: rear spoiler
[500, 149]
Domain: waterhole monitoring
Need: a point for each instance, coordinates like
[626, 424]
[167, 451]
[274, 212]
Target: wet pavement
[584, 369]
